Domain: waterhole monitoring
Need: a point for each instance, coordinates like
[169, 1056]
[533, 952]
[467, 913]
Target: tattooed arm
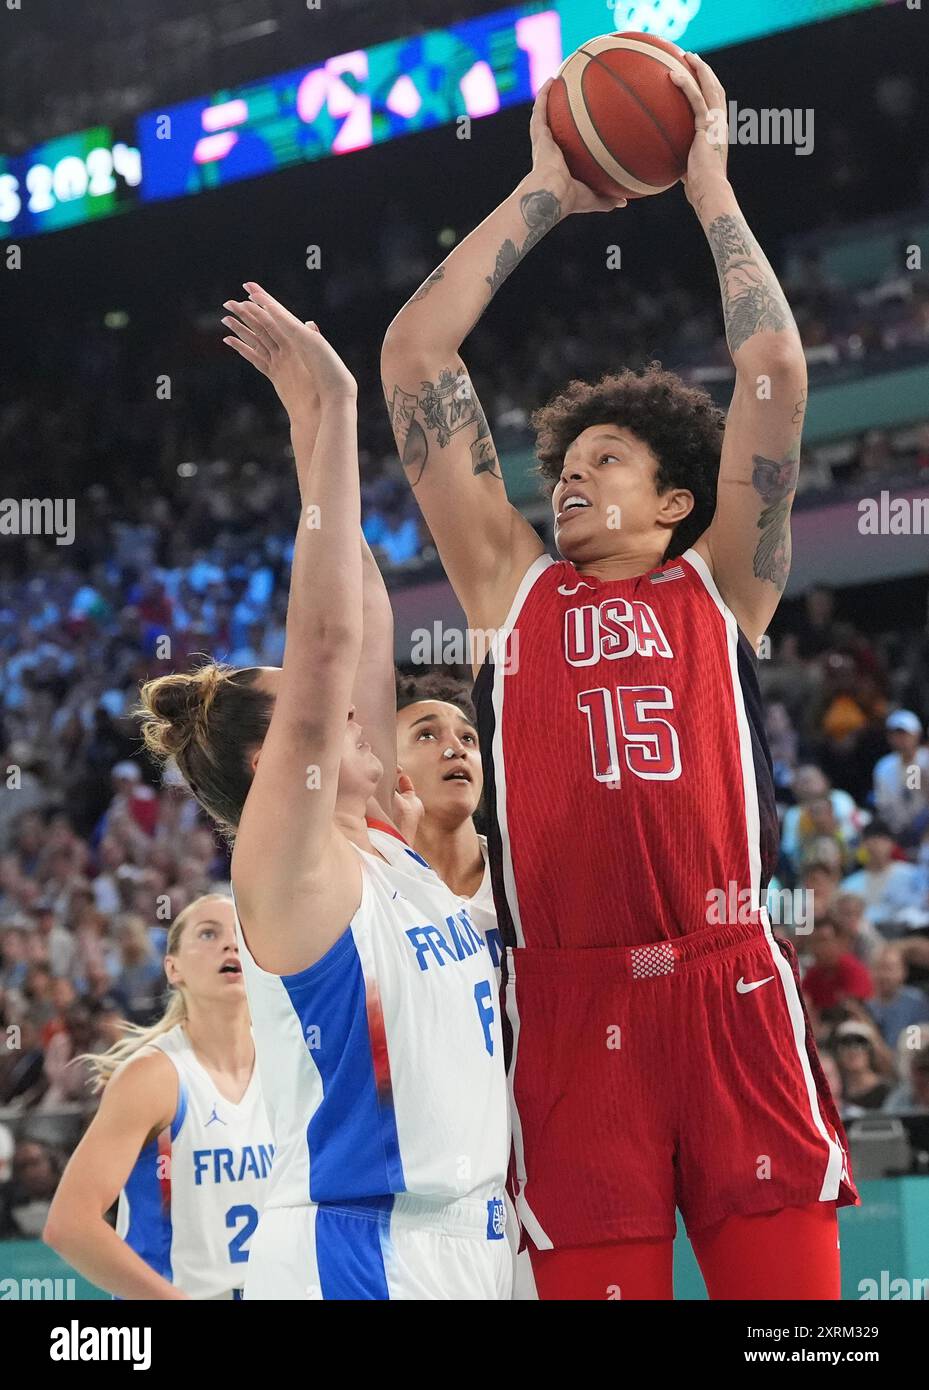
[442, 433]
[747, 545]
[441, 430]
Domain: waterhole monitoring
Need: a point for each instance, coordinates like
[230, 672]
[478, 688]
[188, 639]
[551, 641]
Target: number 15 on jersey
[625, 731]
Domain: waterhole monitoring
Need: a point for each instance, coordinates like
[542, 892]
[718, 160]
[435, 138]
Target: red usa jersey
[627, 770]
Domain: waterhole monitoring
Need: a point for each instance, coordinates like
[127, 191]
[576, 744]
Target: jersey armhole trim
[697, 563]
[180, 1113]
[537, 568]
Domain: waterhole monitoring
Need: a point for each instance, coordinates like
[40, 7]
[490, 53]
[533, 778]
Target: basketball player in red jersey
[659, 1052]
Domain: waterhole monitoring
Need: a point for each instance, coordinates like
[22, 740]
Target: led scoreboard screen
[353, 101]
[350, 102]
[68, 180]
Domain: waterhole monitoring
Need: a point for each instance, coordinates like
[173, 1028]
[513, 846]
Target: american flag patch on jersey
[665, 575]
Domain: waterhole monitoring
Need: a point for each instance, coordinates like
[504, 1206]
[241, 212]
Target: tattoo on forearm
[753, 301]
[426, 286]
[444, 407]
[541, 210]
[775, 483]
[799, 410]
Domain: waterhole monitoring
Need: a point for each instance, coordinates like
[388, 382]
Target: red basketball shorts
[678, 1074]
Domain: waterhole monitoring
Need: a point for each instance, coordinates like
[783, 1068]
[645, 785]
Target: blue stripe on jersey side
[350, 1250]
[149, 1232]
[354, 1147]
[180, 1113]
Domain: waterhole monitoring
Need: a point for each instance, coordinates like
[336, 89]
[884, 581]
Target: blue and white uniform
[382, 1070]
[191, 1204]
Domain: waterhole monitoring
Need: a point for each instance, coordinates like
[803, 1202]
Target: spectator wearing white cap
[901, 778]
[133, 800]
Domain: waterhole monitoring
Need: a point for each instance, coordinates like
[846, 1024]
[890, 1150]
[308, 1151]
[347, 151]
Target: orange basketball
[623, 126]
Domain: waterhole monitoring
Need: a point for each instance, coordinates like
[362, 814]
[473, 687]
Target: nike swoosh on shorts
[743, 988]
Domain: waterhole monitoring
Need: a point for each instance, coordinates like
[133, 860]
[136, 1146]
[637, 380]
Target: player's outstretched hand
[709, 152]
[303, 367]
[549, 163]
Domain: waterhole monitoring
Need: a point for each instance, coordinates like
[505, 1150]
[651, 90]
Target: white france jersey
[191, 1203]
[483, 912]
[382, 1062]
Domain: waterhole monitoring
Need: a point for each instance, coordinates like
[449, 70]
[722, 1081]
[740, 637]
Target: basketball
[624, 128]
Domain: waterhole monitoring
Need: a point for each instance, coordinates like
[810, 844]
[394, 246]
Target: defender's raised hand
[254, 336]
[303, 367]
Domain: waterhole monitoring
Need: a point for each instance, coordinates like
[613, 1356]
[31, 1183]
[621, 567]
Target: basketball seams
[581, 142]
[634, 96]
[591, 143]
[637, 177]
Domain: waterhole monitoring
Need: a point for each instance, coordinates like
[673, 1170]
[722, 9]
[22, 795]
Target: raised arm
[747, 544]
[442, 434]
[374, 692]
[287, 851]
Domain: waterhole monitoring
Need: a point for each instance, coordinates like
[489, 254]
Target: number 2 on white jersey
[650, 743]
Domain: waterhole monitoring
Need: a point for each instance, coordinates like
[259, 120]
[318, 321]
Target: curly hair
[435, 685]
[679, 423]
[207, 720]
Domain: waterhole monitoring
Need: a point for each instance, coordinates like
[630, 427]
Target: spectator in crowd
[823, 825]
[811, 785]
[69, 1078]
[819, 879]
[37, 993]
[861, 938]
[816, 630]
[911, 1097]
[894, 891]
[14, 964]
[901, 779]
[851, 705]
[132, 799]
[782, 744]
[22, 1068]
[835, 975]
[863, 1088]
[895, 1005]
[21, 761]
[58, 944]
[64, 995]
[141, 980]
[37, 1168]
[106, 885]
